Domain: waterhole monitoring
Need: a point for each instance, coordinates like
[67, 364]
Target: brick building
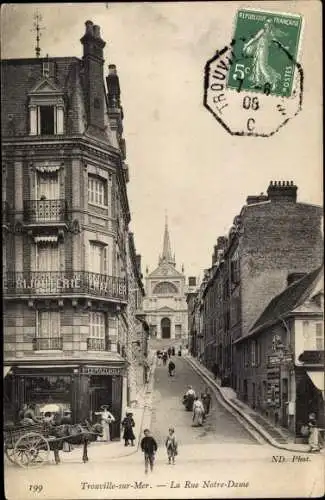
[65, 223]
[282, 357]
[273, 236]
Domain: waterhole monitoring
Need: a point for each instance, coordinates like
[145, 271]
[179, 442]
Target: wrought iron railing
[64, 283]
[47, 343]
[94, 344]
[45, 211]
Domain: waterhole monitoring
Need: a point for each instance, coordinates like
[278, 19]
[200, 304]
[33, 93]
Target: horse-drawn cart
[27, 446]
[30, 446]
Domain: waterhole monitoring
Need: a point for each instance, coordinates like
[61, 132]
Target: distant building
[65, 223]
[165, 302]
[282, 357]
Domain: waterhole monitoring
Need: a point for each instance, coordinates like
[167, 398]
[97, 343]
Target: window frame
[40, 313]
[100, 327]
[97, 181]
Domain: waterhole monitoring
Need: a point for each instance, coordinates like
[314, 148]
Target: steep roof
[293, 296]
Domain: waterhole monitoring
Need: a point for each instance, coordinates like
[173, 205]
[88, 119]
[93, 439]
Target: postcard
[162, 250]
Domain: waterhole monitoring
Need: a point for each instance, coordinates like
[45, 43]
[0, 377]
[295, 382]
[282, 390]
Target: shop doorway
[165, 328]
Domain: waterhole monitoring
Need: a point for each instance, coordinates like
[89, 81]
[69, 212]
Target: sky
[181, 161]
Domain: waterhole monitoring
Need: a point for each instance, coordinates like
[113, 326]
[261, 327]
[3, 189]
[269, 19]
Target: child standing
[171, 445]
[149, 448]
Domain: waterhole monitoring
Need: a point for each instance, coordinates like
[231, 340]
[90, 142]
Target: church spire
[167, 253]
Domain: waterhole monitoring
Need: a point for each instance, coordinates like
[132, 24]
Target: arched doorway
[165, 328]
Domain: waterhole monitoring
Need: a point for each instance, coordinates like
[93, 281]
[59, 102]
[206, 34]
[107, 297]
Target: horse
[73, 434]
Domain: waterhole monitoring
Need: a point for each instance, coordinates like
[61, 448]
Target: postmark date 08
[35, 488]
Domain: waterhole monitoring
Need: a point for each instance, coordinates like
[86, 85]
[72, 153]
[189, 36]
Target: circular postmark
[254, 85]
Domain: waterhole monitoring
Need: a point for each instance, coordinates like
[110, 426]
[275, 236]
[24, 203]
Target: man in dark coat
[128, 424]
[206, 400]
[149, 447]
[171, 368]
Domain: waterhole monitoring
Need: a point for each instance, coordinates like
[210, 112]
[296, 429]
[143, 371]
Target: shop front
[82, 389]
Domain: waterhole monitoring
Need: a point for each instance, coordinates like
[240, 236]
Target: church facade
[165, 301]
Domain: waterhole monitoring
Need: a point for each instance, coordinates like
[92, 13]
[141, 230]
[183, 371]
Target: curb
[146, 413]
[237, 411]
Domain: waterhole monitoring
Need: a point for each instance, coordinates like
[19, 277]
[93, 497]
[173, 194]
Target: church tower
[165, 301]
[166, 255]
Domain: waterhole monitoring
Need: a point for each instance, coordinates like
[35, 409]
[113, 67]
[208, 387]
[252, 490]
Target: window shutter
[105, 260]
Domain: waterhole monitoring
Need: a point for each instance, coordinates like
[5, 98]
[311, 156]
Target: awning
[6, 370]
[46, 239]
[317, 379]
[47, 169]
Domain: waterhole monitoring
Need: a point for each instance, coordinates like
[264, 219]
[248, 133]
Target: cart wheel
[10, 454]
[31, 450]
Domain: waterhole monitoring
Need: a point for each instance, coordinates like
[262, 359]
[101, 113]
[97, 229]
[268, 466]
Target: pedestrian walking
[198, 412]
[106, 418]
[159, 357]
[171, 368]
[206, 400]
[128, 424]
[164, 357]
[173, 351]
[149, 447]
[171, 445]
[169, 352]
[313, 439]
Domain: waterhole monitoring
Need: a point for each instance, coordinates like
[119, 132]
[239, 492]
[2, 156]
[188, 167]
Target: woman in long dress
[198, 412]
[106, 418]
[128, 424]
[258, 48]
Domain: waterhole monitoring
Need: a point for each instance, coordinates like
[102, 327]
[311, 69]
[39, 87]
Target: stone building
[137, 341]
[282, 357]
[273, 236]
[165, 302]
[66, 232]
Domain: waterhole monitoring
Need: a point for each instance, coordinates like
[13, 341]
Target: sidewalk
[278, 437]
[106, 451]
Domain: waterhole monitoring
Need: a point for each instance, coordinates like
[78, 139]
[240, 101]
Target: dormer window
[46, 109]
[46, 120]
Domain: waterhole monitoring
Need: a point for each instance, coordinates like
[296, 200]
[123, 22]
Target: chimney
[192, 281]
[113, 87]
[250, 200]
[292, 277]
[282, 191]
[93, 60]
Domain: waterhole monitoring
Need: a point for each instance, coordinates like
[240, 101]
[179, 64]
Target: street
[168, 410]
[220, 460]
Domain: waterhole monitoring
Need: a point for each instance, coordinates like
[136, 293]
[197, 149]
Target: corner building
[65, 224]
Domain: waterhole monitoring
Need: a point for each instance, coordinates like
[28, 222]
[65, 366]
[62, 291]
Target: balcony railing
[94, 344]
[67, 283]
[42, 211]
[48, 343]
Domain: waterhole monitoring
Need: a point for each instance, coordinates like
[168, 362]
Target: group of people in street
[166, 355]
[149, 447]
[200, 406]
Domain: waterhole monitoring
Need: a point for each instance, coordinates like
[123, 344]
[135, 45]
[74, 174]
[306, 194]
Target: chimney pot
[96, 31]
[89, 27]
[282, 191]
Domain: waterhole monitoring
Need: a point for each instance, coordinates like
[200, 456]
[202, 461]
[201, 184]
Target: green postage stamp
[259, 65]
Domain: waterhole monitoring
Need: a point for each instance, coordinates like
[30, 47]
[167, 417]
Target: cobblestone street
[168, 410]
